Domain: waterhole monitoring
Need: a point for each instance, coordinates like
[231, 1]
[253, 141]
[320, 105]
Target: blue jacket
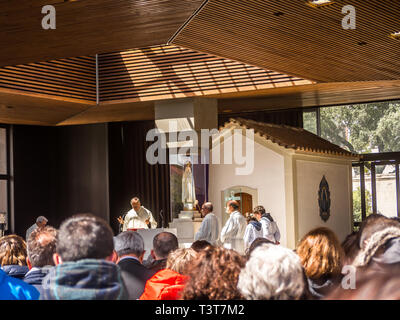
[15, 289]
[35, 276]
[87, 279]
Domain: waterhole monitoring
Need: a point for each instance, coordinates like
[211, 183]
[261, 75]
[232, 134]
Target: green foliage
[357, 204]
[361, 128]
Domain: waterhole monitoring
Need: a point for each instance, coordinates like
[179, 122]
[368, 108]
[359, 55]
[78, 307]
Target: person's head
[135, 203]
[251, 218]
[378, 240]
[181, 260]
[272, 273]
[350, 247]
[255, 244]
[321, 254]
[371, 286]
[41, 247]
[258, 212]
[12, 250]
[84, 236]
[214, 275]
[41, 221]
[206, 208]
[231, 206]
[163, 244]
[129, 243]
[200, 245]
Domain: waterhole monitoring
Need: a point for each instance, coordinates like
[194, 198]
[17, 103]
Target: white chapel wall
[309, 175]
[268, 177]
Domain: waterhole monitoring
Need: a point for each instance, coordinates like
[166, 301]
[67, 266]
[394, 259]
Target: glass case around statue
[188, 186]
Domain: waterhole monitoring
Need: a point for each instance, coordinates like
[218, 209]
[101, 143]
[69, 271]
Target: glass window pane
[310, 121]
[357, 204]
[363, 128]
[3, 197]
[386, 201]
[3, 151]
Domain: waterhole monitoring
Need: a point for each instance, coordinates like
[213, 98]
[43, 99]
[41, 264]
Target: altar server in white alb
[253, 231]
[209, 228]
[138, 217]
[269, 227]
[233, 231]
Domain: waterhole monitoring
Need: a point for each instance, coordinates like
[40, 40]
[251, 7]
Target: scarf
[256, 225]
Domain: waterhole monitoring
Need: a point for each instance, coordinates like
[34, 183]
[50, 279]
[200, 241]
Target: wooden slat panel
[68, 78]
[170, 71]
[87, 27]
[304, 41]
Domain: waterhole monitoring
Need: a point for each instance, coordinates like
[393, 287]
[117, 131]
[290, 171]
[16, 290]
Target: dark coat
[157, 265]
[134, 275]
[15, 271]
[35, 276]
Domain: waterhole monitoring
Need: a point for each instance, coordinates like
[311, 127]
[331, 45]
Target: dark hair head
[200, 245]
[233, 204]
[371, 286]
[214, 275]
[164, 243]
[129, 242]
[259, 209]
[41, 246]
[350, 246]
[84, 236]
[256, 243]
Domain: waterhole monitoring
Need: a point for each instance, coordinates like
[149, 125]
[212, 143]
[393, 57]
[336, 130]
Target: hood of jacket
[15, 271]
[256, 225]
[267, 216]
[87, 279]
[320, 288]
[376, 241]
[36, 275]
[164, 285]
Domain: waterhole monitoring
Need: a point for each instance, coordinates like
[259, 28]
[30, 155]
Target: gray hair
[129, 242]
[273, 272]
[41, 218]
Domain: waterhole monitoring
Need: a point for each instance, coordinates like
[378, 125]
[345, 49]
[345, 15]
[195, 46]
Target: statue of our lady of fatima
[188, 188]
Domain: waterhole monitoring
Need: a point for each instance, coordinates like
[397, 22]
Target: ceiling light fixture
[395, 35]
[319, 3]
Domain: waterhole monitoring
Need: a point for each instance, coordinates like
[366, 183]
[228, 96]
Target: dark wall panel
[59, 172]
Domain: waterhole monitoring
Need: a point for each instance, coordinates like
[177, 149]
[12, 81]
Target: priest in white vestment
[138, 217]
[232, 233]
[209, 228]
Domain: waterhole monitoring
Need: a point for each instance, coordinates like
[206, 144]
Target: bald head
[206, 208]
[163, 244]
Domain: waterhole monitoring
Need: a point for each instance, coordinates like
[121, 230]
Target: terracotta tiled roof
[292, 137]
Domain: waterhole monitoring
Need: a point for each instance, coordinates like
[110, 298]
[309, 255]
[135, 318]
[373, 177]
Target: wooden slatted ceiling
[304, 41]
[65, 78]
[165, 72]
[87, 27]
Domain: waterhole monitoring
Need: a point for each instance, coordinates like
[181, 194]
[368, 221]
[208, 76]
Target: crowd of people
[84, 260]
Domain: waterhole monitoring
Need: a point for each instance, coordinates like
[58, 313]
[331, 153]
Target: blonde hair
[180, 260]
[321, 253]
[12, 250]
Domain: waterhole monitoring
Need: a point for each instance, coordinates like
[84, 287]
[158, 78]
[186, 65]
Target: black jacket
[134, 275]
